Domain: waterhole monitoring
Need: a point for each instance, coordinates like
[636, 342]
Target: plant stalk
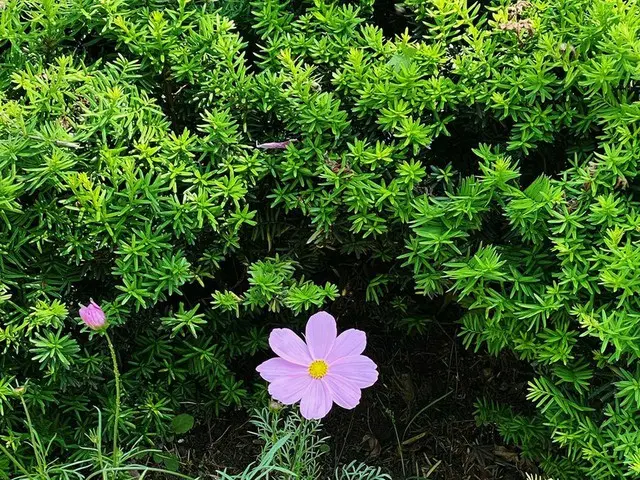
[116, 421]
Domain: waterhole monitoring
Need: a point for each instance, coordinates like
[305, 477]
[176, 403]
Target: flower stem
[14, 460]
[116, 421]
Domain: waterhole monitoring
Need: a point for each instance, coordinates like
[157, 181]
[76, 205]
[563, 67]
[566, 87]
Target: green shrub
[102, 196]
[489, 152]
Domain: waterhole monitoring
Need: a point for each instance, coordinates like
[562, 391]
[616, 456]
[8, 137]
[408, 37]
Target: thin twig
[404, 434]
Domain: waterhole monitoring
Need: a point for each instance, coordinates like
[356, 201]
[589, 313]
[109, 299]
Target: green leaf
[171, 462]
[182, 423]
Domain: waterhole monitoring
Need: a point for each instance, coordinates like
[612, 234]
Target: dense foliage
[487, 152]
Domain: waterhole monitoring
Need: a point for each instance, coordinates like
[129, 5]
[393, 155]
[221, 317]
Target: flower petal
[289, 390]
[343, 392]
[320, 334]
[277, 367]
[358, 369]
[350, 342]
[289, 346]
[316, 401]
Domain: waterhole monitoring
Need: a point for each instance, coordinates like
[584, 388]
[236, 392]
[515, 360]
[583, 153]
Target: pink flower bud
[93, 316]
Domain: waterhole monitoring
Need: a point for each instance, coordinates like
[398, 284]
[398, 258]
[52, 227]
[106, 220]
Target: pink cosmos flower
[327, 368]
[93, 316]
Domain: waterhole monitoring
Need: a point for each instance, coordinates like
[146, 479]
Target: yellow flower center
[318, 369]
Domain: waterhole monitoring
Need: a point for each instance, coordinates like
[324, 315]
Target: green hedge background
[483, 151]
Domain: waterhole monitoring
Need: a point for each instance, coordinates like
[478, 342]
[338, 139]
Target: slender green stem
[13, 459]
[404, 434]
[35, 441]
[116, 421]
[99, 445]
